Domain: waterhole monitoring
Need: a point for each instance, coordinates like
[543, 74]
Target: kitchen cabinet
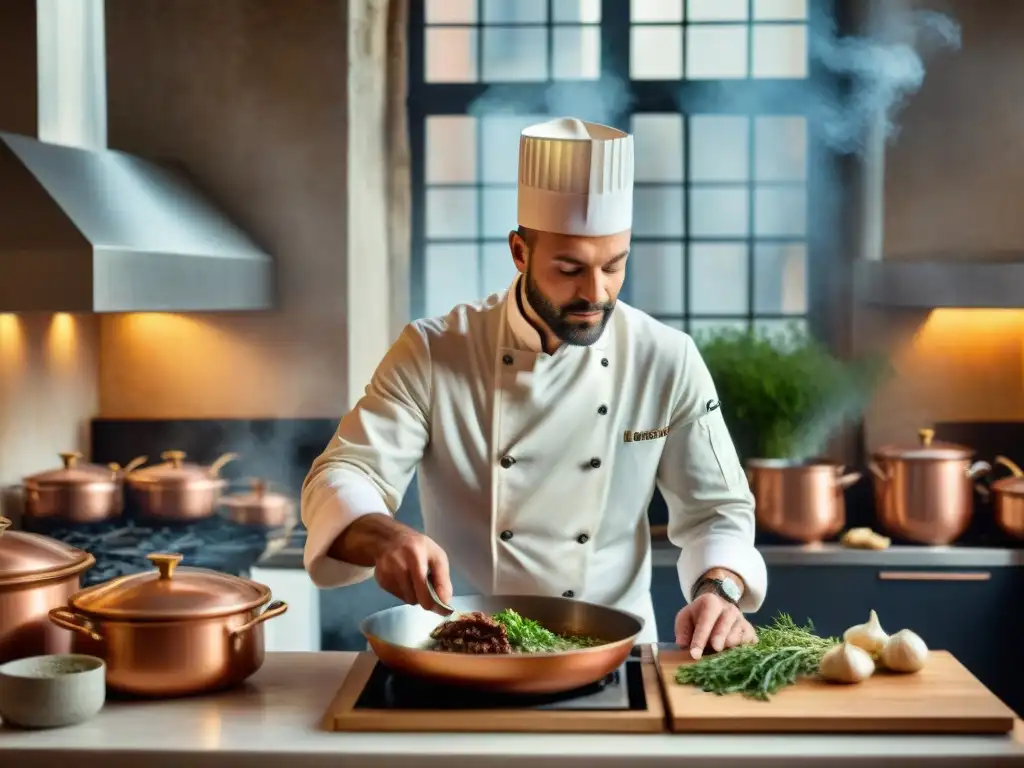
[298, 629]
[970, 612]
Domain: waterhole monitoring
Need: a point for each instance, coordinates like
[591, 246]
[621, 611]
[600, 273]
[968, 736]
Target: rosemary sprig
[784, 652]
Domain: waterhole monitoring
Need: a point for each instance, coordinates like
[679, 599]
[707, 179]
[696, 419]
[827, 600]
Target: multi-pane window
[724, 157]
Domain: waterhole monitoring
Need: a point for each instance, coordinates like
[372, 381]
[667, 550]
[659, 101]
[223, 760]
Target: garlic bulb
[846, 663]
[868, 636]
[904, 652]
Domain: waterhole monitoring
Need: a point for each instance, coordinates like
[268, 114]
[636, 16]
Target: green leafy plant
[784, 395]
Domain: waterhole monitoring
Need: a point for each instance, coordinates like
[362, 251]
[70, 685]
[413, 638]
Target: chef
[540, 420]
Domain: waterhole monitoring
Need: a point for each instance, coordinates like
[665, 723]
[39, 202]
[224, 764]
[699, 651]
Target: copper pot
[176, 490]
[801, 500]
[260, 507]
[924, 493]
[1007, 495]
[78, 492]
[37, 573]
[173, 631]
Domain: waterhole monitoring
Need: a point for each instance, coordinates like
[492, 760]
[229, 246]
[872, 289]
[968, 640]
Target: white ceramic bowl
[52, 691]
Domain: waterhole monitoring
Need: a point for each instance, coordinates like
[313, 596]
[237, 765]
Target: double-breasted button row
[568, 593]
[507, 461]
[507, 360]
[507, 536]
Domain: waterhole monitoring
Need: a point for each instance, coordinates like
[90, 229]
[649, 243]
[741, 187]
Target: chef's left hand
[711, 618]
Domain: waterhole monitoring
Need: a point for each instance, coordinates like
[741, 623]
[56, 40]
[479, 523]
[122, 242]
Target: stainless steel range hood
[87, 229]
[84, 230]
[937, 281]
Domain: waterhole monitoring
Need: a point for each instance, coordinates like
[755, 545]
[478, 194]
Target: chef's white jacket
[536, 470]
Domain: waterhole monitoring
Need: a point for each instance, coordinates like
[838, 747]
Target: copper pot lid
[169, 593]
[927, 448]
[29, 557]
[259, 499]
[76, 472]
[175, 471]
[1014, 483]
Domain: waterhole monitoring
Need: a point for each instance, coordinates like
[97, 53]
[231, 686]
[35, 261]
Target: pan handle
[62, 617]
[276, 608]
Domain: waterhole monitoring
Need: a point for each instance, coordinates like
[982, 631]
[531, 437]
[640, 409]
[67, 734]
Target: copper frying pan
[399, 636]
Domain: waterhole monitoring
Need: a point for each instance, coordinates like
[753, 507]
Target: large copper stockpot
[173, 631]
[176, 490]
[801, 500]
[37, 573]
[400, 638]
[78, 492]
[1007, 495]
[924, 493]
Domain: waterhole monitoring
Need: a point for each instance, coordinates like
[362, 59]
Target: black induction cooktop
[621, 690]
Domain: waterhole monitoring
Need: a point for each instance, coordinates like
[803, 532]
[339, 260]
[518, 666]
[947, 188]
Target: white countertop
[274, 721]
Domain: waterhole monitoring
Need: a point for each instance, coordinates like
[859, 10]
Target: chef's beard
[559, 321]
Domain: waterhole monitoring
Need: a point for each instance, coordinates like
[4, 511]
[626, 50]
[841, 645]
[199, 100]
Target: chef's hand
[403, 565]
[709, 617]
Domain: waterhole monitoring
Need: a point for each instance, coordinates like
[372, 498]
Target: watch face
[731, 589]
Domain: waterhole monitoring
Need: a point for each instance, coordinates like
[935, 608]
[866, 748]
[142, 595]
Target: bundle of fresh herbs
[528, 636]
[784, 653]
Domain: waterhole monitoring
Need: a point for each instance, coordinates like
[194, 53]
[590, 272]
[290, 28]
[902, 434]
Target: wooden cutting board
[944, 697]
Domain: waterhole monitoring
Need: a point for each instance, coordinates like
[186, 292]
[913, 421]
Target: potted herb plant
[783, 397]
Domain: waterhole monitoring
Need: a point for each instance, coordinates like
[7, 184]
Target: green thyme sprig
[784, 653]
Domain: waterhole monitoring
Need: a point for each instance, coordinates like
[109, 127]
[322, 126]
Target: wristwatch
[726, 588]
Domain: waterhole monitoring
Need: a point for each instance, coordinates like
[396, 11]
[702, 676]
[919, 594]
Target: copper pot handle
[845, 481]
[218, 465]
[1010, 465]
[276, 608]
[878, 472]
[62, 617]
[977, 469]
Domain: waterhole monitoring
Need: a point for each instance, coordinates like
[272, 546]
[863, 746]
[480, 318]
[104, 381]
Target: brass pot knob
[166, 563]
[70, 458]
[926, 436]
[175, 457]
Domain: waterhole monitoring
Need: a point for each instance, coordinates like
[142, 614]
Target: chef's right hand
[402, 568]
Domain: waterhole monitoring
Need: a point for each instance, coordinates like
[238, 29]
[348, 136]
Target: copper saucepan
[260, 506]
[173, 631]
[78, 492]
[801, 500]
[176, 490]
[1007, 496]
[399, 637]
[924, 493]
[37, 573]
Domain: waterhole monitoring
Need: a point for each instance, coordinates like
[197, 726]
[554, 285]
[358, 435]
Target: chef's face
[572, 283]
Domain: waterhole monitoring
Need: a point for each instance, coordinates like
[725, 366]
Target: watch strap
[716, 586]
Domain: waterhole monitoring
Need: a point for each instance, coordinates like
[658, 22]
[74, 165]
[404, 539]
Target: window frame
[827, 263]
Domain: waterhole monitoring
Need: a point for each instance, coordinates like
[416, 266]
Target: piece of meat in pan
[471, 633]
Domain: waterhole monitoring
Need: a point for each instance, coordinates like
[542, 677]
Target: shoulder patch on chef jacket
[629, 436]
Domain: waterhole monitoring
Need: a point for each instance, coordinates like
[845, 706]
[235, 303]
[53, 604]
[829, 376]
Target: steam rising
[881, 74]
[876, 74]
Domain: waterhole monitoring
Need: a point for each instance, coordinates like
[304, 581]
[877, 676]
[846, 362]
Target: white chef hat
[575, 178]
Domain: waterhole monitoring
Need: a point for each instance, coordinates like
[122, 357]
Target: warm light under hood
[105, 231]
